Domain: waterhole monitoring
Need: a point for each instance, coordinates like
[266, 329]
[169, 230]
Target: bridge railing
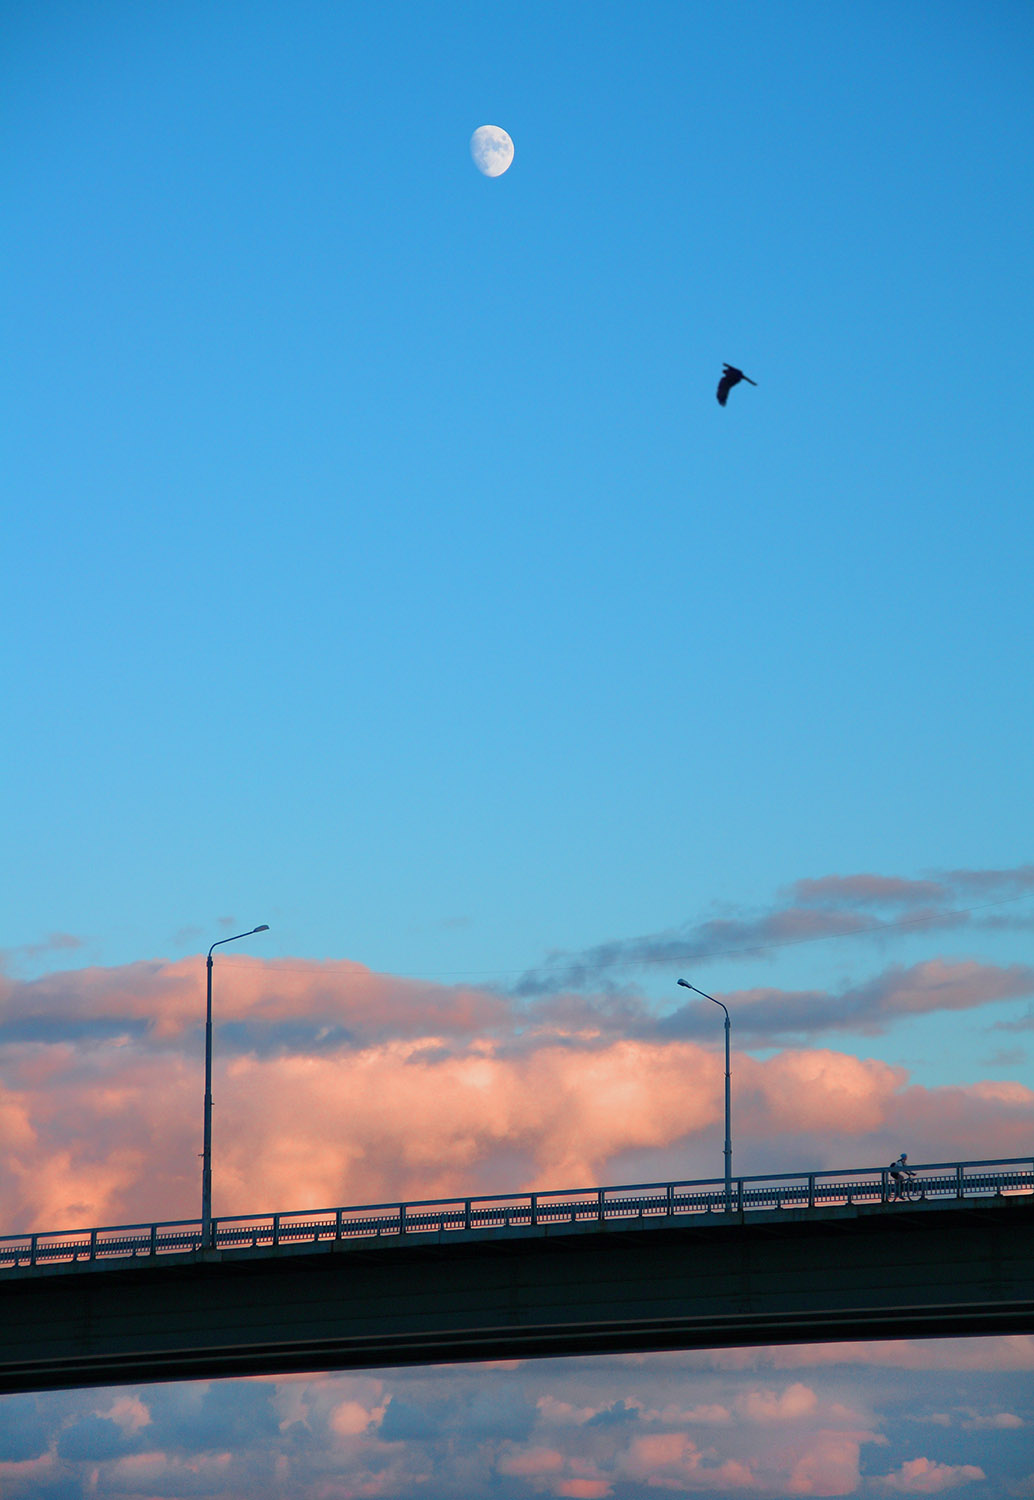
[666, 1201]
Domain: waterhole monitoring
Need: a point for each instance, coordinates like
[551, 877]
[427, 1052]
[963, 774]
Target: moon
[492, 150]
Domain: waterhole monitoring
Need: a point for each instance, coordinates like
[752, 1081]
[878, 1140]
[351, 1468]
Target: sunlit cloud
[53, 943]
[921, 1476]
[870, 906]
[1006, 1353]
[554, 1428]
[337, 1085]
[768, 1015]
[114, 1132]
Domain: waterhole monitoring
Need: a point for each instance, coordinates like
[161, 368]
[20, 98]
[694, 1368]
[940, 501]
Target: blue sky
[384, 560]
[381, 566]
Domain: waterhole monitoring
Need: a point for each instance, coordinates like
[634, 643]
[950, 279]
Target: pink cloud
[113, 1137]
[938, 985]
[830, 906]
[1006, 1353]
[530, 1462]
[828, 1466]
[399, 1089]
[788, 1405]
[557, 1473]
[867, 890]
[999, 1421]
[660, 1458]
[29, 1474]
[169, 997]
[672, 1461]
[920, 1476]
[767, 1014]
[816, 1091]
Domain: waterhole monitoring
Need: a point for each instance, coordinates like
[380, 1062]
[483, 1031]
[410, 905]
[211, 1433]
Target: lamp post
[728, 1096]
[206, 1154]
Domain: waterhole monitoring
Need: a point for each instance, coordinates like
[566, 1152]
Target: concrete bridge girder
[793, 1276]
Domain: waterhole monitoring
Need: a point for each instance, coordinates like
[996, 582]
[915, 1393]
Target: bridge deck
[668, 1202]
[634, 1277]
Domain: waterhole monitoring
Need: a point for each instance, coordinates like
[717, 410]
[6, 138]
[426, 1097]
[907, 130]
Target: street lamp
[206, 1155]
[728, 1096]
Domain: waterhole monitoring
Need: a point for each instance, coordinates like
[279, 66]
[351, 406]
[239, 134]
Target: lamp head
[263, 928]
[685, 983]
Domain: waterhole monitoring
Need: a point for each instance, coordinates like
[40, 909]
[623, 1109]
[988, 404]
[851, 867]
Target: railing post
[883, 1184]
[535, 1210]
[154, 1239]
[669, 1207]
[276, 1230]
[811, 1189]
[93, 1244]
[739, 1195]
[466, 1214]
[599, 1199]
[402, 1218]
[337, 1225]
[959, 1185]
[32, 1250]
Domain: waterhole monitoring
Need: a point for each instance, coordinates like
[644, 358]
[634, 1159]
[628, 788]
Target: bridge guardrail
[571, 1206]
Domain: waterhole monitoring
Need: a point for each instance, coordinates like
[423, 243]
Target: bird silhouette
[731, 377]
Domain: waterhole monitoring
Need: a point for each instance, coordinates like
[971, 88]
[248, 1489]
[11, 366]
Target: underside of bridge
[795, 1276]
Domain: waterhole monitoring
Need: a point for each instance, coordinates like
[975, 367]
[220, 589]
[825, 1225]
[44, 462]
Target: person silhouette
[900, 1171]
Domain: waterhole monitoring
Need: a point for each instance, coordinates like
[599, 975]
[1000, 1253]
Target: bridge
[803, 1258]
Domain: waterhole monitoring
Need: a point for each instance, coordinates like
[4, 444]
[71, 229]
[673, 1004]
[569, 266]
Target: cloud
[418, 1091]
[398, 1120]
[618, 1411]
[485, 1433]
[869, 890]
[128, 1412]
[788, 1405]
[530, 1462]
[998, 1354]
[352, 1418]
[829, 1465]
[298, 1008]
[551, 1471]
[334, 1084]
[273, 1005]
[865, 905]
[661, 1459]
[920, 1476]
[767, 1015]
[999, 1421]
[54, 942]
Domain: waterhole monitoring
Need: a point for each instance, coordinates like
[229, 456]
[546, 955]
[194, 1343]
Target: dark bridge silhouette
[791, 1259]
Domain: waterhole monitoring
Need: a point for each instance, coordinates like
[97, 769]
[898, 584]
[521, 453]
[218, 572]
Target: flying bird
[731, 377]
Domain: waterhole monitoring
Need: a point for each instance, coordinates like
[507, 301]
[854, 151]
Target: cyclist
[901, 1173]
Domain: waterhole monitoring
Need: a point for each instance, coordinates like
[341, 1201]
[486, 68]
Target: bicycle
[906, 1189]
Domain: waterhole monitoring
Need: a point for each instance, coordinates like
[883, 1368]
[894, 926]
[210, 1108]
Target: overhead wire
[547, 972]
